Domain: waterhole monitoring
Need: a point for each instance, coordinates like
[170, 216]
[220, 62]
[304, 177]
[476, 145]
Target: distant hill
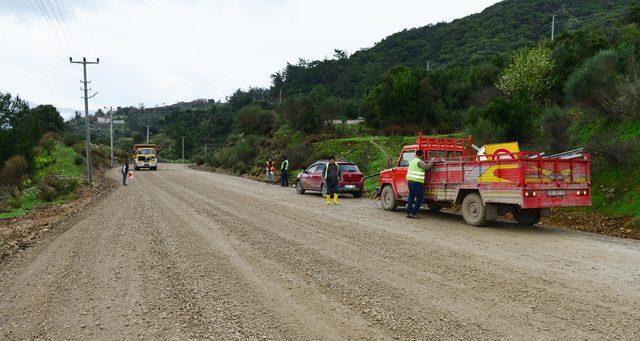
[475, 39]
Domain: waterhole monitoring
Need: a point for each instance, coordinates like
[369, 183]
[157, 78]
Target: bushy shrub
[47, 193]
[198, 160]
[14, 171]
[70, 138]
[607, 83]
[609, 151]
[78, 160]
[554, 129]
[61, 184]
[11, 197]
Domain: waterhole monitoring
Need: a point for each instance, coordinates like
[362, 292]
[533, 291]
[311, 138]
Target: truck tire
[299, 188]
[527, 216]
[136, 167]
[473, 210]
[388, 199]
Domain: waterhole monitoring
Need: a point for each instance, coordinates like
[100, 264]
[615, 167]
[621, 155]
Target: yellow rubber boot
[335, 198]
[328, 199]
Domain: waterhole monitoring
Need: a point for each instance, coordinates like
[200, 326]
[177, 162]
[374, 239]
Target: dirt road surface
[185, 254]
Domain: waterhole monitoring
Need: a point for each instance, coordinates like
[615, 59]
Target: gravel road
[185, 254]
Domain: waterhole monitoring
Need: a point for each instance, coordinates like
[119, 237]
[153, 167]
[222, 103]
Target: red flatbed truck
[487, 186]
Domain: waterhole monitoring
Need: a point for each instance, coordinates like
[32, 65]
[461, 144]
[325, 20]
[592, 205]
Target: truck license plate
[556, 193]
[350, 186]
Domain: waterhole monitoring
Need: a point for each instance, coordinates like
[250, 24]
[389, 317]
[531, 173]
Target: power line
[66, 26]
[47, 16]
[73, 73]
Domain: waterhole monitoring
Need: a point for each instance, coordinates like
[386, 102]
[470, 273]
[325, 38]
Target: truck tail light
[530, 194]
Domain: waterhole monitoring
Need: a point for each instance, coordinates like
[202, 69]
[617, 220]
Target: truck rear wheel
[526, 216]
[388, 199]
[473, 210]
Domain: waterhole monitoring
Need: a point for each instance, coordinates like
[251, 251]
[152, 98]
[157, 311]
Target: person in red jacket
[271, 178]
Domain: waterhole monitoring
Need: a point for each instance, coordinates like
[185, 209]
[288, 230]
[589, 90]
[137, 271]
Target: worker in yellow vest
[416, 174]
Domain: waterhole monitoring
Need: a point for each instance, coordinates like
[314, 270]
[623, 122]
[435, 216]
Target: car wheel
[357, 194]
[433, 207]
[473, 210]
[526, 216]
[388, 199]
[324, 189]
[299, 188]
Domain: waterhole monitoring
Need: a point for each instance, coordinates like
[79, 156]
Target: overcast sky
[162, 51]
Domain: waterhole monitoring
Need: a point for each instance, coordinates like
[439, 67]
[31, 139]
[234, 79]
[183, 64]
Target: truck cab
[144, 156]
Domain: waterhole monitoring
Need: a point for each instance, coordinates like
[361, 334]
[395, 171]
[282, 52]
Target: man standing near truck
[284, 172]
[125, 172]
[415, 179]
[332, 175]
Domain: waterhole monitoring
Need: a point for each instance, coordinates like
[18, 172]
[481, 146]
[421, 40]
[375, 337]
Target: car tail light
[581, 193]
[530, 194]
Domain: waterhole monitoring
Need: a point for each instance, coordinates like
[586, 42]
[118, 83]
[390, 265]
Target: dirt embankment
[18, 233]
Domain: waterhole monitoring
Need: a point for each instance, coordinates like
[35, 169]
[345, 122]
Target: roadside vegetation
[42, 159]
[495, 75]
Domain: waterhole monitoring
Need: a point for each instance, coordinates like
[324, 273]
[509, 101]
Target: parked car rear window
[349, 168]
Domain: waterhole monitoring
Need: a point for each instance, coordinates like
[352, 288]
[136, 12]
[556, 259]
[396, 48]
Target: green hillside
[487, 37]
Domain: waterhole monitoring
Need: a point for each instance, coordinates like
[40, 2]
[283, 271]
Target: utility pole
[428, 65]
[182, 149]
[553, 26]
[111, 132]
[280, 96]
[147, 134]
[205, 149]
[86, 97]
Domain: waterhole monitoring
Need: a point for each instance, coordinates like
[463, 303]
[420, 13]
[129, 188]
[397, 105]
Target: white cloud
[155, 51]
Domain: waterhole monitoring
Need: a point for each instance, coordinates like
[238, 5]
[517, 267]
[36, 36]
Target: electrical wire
[59, 46]
[66, 26]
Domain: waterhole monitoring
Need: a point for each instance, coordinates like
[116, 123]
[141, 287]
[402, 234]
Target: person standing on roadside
[125, 172]
[271, 177]
[332, 176]
[415, 179]
[284, 172]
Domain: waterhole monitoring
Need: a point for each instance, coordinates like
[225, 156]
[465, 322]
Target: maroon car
[311, 179]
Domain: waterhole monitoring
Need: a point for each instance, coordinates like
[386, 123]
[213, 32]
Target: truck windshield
[406, 157]
[349, 168]
[146, 151]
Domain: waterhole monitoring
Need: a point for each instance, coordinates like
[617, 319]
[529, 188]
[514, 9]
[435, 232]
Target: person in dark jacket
[332, 176]
[125, 172]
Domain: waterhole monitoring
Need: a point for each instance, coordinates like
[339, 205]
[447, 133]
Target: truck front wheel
[527, 216]
[473, 210]
[388, 199]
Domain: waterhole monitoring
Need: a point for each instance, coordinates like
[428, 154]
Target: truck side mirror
[389, 162]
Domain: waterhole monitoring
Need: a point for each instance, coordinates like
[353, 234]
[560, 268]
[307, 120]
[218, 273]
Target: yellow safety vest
[414, 172]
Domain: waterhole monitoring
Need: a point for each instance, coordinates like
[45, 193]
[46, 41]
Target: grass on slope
[60, 162]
